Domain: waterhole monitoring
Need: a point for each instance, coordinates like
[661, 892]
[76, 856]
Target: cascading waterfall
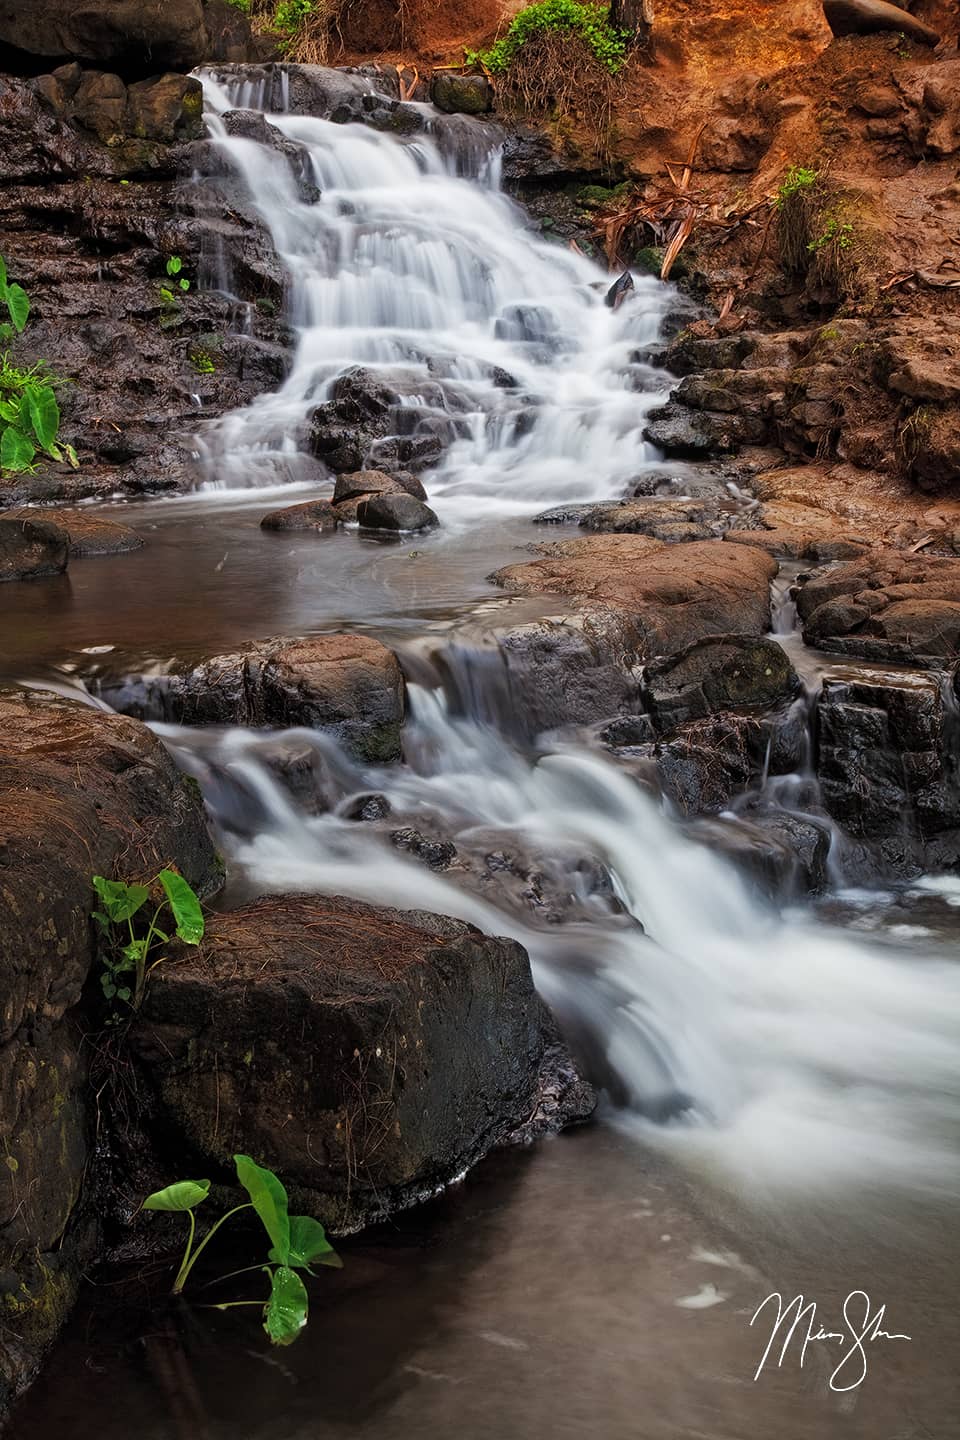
[403, 264]
[785, 1054]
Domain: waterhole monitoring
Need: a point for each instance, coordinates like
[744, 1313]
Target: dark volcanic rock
[722, 672]
[462, 94]
[31, 549]
[672, 521]
[82, 792]
[126, 34]
[87, 533]
[395, 512]
[418, 1045]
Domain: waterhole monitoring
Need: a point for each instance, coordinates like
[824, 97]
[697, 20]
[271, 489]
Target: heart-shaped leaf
[269, 1199]
[18, 304]
[309, 1245]
[185, 906]
[183, 1195]
[285, 1313]
[120, 901]
[44, 412]
[16, 450]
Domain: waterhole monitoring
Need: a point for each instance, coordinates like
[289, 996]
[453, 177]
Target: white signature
[861, 1330]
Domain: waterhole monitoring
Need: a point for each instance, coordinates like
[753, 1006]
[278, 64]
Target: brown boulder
[887, 606]
[309, 515]
[31, 549]
[348, 685]
[81, 792]
[673, 596]
[88, 532]
[359, 484]
[367, 1055]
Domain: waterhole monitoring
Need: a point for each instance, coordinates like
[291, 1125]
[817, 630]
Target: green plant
[126, 952]
[836, 232]
[29, 412]
[243, 5]
[291, 14]
[17, 304]
[566, 17]
[798, 179]
[202, 361]
[296, 1243]
[795, 205]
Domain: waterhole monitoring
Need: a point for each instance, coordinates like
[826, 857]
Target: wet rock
[707, 762]
[672, 596]
[418, 1045]
[723, 672]
[563, 515]
[438, 854]
[462, 94]
[348, 685]
[621, 289]
[124, 33]
[784, 855]
[672, 521]
[366, 425]
[82, 792]
[886, 756]
[251, 125]
[887, 606]
[361, 484]
[309, 515]
[395, 512]
[88, 533]
[368, 808]
[31, 549]
[694, 434]
[866, 17]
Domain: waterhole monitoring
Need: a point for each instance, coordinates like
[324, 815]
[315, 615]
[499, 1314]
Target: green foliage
[837, 233]
[125, 953]
[174, 267]
[291, 14]
[243, 5]
[29, 413]
[798, 179]
[568, 17]
[202, 361]
[296, 1241]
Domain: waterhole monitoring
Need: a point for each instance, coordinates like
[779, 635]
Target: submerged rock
[31, 549]
[368, 1055]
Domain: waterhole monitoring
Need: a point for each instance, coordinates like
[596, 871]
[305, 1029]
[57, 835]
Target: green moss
[649, 258]
[591, 22]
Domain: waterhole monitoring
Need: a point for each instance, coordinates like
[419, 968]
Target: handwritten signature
[863, 1327]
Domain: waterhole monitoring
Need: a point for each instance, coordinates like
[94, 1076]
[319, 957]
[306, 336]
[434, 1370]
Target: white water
[814, 1062]
[796, 1059]
[400, 262]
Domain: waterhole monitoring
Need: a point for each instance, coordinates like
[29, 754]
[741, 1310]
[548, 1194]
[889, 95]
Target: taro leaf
[120, 901]
[10, 411]
[182, 1195]
[71, 455]
[184, 284]
[3, 277]
[134, 952]
[185, 906]
[269, 1199]
[309, 1243]
[18, 304]
[285, 1313]
[174, 265]
[44, 412]
[16, 450]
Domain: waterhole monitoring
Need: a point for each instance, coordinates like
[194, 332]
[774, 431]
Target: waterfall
[404, 255]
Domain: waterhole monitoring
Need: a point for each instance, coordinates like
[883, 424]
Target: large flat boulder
[32, 548]
[348, 685]
[886, 606]
[88, 532]
[672, 595]
[82, 792]
[367, 1055]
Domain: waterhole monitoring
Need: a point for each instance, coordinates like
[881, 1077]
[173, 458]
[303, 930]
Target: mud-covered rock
[887, 606]
[367, 1055]
[348, 685]
[88, 533]
[672, 596]
[32, 548]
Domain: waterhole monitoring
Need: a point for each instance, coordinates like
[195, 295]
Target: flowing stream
[780, 1085]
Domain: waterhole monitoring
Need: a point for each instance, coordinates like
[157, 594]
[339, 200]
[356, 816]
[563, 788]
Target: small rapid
[778, 1054]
